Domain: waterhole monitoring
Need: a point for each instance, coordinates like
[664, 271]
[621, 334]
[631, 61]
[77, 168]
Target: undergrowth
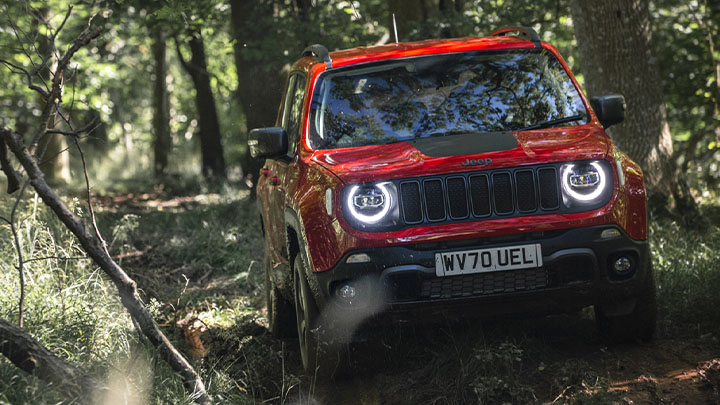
[687, 270]
[73, 309]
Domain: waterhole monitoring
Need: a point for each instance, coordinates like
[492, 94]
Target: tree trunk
[161, 106]
[260, 83]
[407, 13]
[30, 356]
[126, 286]
[213, 162]
[615, 46]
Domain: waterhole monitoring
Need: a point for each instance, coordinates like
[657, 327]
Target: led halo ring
[370, 219]
[584, 197]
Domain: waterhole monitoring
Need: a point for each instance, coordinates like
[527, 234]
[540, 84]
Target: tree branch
[29, 76]
[91, 126]
[13, 177]
[89, 198]
[18, 249]
[181, 58]
[55, 95]
[30, 356]
[37, 259]
[85, 37]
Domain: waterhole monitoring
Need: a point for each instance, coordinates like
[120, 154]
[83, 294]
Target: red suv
[459, 177]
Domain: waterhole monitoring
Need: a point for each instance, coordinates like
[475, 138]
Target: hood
[464, 153]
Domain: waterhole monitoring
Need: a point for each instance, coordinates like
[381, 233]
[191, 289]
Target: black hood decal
[455, 145]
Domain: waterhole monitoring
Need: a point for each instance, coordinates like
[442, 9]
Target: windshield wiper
[550, 123]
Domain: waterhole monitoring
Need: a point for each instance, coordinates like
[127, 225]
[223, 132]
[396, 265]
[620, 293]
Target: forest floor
[216, 306]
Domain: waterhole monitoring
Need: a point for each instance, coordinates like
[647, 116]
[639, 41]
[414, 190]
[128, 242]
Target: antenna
[395, 28]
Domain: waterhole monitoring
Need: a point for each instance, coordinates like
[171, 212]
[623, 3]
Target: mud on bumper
[576, 272]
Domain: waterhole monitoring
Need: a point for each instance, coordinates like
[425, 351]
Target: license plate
[484, 260]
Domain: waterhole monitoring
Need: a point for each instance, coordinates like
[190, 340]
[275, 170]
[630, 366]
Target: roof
[427, 47]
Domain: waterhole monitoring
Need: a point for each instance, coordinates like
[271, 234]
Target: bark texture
[13, 179]
[407, 14]
[616, 54]
[126, 286]
[213, 162]
[161, 105]
[30, 356]
[259, 82]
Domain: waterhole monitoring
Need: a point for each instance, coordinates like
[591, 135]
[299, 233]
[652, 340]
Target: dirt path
[556, 360]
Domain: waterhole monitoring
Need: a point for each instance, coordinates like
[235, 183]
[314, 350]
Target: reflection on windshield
[440, 95]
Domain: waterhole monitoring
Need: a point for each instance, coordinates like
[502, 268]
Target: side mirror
[267, 142]
[609, 109]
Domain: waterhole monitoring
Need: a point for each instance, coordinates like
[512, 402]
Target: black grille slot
[497, 282]
[502, 191]
[525, 190]
[457, 197]
[480, 195]
[434, 199]
[412, 208]
[549, 195]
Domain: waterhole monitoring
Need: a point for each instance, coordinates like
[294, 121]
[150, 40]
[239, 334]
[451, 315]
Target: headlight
[372, 205]
[585, 183]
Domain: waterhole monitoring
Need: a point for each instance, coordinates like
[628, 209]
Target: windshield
[441, 95]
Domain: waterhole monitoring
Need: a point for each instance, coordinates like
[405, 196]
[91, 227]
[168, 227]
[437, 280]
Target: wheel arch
[297, 245]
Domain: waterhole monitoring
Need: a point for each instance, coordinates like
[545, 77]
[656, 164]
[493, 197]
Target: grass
[196, 253]
[687, 266]
[73, 309]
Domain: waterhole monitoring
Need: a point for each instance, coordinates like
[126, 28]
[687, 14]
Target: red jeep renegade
[447, 177]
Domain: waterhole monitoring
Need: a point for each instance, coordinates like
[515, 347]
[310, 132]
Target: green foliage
[74, 310]
[112, 78]
[686, 266]
[682, 34]
[70, 307]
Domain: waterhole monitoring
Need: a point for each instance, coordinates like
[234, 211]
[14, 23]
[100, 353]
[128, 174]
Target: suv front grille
[492, 193]
[565, 271]
[499, 282]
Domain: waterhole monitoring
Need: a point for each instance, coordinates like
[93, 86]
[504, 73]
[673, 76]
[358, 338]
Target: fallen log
[29, 355]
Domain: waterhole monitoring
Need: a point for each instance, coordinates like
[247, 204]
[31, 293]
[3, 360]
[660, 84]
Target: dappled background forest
[143, 137]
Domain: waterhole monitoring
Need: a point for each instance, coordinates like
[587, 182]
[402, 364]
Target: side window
[287, 102]
[294, 105]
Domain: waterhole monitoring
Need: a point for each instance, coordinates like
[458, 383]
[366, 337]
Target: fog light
[610, 233]
[346, 293]
[622, 265]
[358, 258]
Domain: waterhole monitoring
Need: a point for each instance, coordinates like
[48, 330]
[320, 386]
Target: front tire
[320, 354]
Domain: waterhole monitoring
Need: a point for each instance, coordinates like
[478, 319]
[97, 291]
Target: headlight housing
[371, 205]
[586, 183]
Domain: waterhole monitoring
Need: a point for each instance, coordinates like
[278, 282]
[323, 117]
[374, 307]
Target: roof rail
[526, 32]
[319, 53]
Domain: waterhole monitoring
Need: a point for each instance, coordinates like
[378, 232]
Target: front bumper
[576, 272]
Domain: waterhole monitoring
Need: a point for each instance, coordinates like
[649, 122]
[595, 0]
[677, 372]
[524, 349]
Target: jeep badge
[477, 162]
